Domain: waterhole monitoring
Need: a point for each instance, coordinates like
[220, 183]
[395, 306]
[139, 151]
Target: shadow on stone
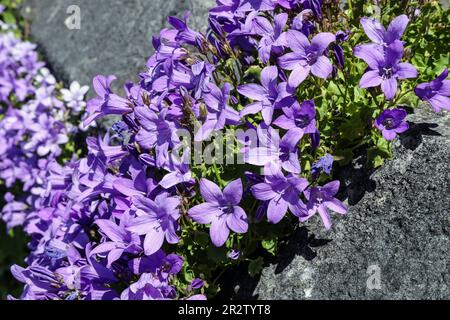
[414, 136]
[301, 243]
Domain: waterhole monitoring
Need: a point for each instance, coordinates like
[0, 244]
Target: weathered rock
[114, 38]
[401, 228]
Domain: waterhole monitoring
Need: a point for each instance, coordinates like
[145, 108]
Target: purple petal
[233, 192]
[153, 241]
[321, 41]
[397, 28]
[371, 54]
[298, 75]
[204, 213]
[332, 188]
[406, 71]
[269, 76]
[285, 122]
[297, 41]
[439, 102]
[336, 205]
[252, 108]
[210, 191]
[237, 221]
[322, 68]
[370, 79]
[290, 61]
[253, 91]
[111, 230]
[389, 87]
[219, 232]
[373, 29]
[326, 219]
[263, 191]
[277, 210]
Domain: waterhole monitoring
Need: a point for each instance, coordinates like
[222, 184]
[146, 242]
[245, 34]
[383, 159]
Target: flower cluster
[129, 220]
[35, 126]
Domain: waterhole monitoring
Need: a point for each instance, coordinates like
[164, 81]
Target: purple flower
[256, 5]
[268, 96]
[219, 112]
[320, 199]
[325, 165]
[273, 38]
[384, 67]
[221, 210]
[234, 255]
[391, 122]
[271, 149]
[107, 103]
[282, 192]
[157, 131]
[148, 287]
[120, 240]
[307, 57]
[298, 116]
[341, 36]
[378, 33]
[197, 284]
[156, 219]
[436, 92]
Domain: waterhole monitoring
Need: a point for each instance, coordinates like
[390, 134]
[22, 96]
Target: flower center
[302, 121]
[387, 73]
[389, 123]
[311, 58]
[284, 154]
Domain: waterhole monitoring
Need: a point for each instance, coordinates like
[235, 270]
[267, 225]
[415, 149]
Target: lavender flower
[157, 220]
[391, 122]
[221, 210]
[320, 199]
[268, 96]
[384, 67]
[306, 57]
[282, 192]
[436, 92]
[378, 33]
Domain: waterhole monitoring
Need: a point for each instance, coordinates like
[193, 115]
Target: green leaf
[270, 245]
[255, 267]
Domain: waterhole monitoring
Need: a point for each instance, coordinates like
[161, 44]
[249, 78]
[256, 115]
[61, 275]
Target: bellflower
[298, 116]
[378, 33]
[384, 67]
[221, 210]
[158, 130]
[307, 57]
[320, 199]
[219, 112]
[107, 103]
[283, 152]
[273, 39]
[436, 92]
[281, 192]
[392, 122]
[74, 96]
[268, 96]
[157, 220]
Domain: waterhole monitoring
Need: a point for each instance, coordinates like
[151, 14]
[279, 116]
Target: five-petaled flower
[320, 199]
[391, 123]
[221, 210]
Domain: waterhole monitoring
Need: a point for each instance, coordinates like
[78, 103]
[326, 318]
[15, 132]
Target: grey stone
[400, 228]
[114, 38]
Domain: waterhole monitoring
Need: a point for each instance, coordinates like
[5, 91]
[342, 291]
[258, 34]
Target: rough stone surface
[114, 38]
[400, 227]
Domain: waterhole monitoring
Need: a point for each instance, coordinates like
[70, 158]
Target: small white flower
[74, 96]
